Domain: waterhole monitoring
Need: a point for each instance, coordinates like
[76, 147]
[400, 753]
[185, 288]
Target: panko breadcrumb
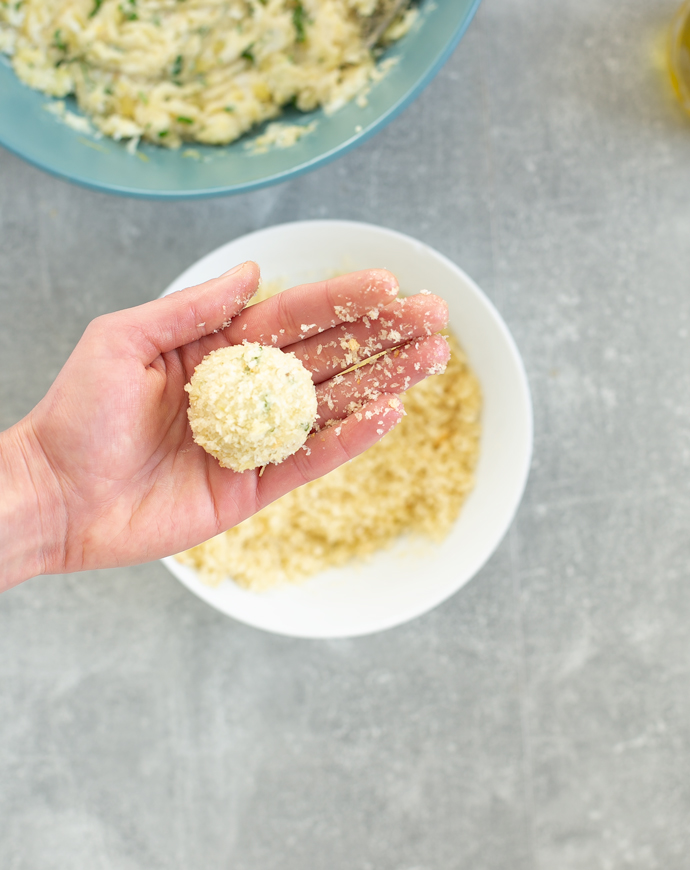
[413, 482]
[250, 405]
[199, 70]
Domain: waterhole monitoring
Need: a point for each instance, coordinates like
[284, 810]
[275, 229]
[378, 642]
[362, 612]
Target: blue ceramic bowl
[31, 132]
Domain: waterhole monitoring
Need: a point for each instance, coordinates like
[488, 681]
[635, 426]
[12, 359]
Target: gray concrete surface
[539, 720]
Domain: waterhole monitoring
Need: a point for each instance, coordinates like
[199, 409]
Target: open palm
[130, 485]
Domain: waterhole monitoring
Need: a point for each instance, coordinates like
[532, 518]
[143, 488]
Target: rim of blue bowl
[294, 172]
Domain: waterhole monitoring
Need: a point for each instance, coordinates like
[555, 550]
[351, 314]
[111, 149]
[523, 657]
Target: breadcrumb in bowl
[414, 573]
[414, 481]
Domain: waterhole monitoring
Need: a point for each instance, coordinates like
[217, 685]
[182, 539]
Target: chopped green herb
[248, 55]
[177, 66]
[58, 41]
[183, 120]
[96, 7]
[163, 134]
[299, 21]
[88, 81]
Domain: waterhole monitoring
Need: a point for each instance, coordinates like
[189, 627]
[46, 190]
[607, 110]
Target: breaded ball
[250, 405]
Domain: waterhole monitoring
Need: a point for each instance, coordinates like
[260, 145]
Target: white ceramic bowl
[401, 583]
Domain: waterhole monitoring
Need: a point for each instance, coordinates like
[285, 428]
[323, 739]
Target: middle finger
[350, 343]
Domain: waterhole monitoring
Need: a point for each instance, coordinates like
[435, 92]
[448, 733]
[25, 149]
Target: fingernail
[234, 270]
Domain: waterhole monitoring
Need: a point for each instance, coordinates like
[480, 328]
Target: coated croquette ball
[250, 405]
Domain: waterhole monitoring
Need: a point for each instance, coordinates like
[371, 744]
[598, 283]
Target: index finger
[309, 309]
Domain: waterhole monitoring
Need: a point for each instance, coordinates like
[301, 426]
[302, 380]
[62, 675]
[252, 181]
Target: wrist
[31, 509]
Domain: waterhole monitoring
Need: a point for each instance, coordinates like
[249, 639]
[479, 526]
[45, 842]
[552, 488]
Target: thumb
[186, 315]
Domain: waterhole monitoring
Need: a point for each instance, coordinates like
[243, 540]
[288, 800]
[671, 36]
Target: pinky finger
[324, 451]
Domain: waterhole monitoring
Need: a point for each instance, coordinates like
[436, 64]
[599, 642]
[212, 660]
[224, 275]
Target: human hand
[106, 465]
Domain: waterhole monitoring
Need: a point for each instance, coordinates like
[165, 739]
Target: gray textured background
[540, 718]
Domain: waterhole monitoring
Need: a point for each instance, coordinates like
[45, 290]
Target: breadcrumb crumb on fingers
[350, 343]
[346, 393]
[311, 309]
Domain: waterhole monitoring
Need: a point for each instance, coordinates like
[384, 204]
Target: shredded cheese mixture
[413, 482]
[198, 70]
